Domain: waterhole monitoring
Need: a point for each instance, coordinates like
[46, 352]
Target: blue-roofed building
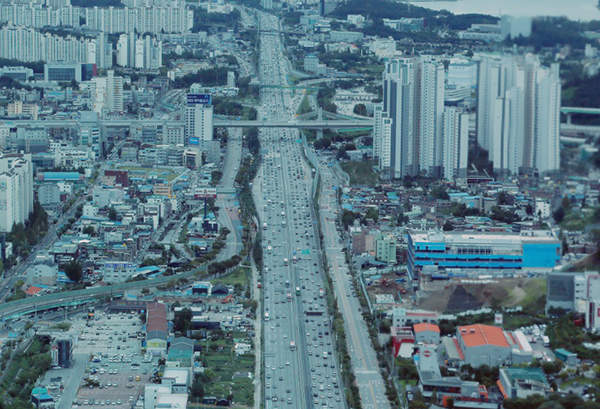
[40, 398]
[63, 177]
[435, 252]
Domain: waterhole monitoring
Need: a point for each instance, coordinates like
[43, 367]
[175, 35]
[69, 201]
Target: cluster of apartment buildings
[132, 50]
[171, 17]
[420, 130]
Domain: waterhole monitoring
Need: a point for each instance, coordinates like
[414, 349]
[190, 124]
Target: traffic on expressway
[300, 365]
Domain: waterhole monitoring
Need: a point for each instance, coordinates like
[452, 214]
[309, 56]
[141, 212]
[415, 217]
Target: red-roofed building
[157, 328]
[33, 290]
[427, 333]
[484, 345]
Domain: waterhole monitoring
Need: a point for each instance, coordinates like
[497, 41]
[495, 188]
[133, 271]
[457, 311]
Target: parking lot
[117, 368]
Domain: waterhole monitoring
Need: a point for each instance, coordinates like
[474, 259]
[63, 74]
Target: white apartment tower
[455, 143]
[16, 190]
[123, 51]
[518, 114]
[114, 92]
[431, 114]
[413, 98]
[400, 93]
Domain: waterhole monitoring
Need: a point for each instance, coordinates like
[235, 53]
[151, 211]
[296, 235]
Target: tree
[439, 192]
[183, 320]
[559, 215]
[73, 270]
[112, 214]
[342, 154]
[529, 209]
[89, 230]
[360, 109]
[197, 389]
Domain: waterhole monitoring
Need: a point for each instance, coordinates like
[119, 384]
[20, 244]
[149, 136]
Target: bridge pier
[319, 134]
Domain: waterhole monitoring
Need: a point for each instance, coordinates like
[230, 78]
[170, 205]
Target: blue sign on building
[199, 99]
[194, 140]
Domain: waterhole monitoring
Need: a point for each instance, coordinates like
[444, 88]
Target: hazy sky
[574, 9]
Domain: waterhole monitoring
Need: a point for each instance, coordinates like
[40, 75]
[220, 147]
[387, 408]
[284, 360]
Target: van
[137, 378]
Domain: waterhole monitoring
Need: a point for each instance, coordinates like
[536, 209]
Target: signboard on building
[205, 193]
[199, 99]
[194, 141]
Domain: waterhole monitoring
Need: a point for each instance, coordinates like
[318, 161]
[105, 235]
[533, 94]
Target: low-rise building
[523, 382]
[427, 333]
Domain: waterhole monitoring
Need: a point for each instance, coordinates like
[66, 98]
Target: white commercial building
[514, 27]
[107, 93]
[518, 114]
[198, 122]
[116, 272]
[16, 190]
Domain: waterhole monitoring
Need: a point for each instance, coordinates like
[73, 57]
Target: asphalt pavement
[300, 364]
[364, 359]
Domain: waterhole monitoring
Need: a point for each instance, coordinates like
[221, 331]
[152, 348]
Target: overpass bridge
[218, 123]
[15, 309]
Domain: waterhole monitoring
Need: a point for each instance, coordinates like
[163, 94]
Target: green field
[238, 276]
[229, 372]
[361, 173]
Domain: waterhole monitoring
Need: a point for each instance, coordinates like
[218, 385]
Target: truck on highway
[546, 340]
[289, 297]
[324, 354]
[292, 346]
[285, 262]
[297, 290]
[266, 316]
[321, 293]
[264, 226]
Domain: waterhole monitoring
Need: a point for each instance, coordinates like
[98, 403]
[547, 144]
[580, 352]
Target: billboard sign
[205, 193]
[199, 99]
[194, 140]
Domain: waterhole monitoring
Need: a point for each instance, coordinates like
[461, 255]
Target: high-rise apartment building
[430, 117]
[455, 149]
[123, 51]
[518, 114]
[400, 101]
[16, 190]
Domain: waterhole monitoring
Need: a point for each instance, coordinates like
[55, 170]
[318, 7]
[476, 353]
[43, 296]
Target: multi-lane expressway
[300, 363]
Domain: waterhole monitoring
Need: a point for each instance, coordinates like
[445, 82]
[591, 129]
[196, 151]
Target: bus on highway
[297, 290]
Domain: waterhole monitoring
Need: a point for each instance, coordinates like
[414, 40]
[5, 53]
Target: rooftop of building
[478, 335]
[526, 374]
[532, 236]
[426, 327]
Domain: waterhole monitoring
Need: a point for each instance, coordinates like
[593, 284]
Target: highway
[300, 364]
[364, 360]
